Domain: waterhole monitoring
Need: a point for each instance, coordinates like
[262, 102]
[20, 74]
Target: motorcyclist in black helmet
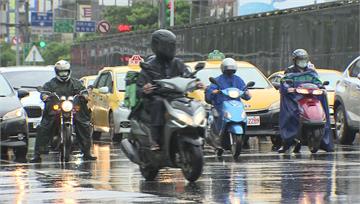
[163, 65]
[63, 85]
[301, 62]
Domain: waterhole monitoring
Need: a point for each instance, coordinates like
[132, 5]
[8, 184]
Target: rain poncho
[289, 108]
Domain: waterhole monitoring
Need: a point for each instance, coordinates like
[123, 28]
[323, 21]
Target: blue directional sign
[42, 19]
[85, 26]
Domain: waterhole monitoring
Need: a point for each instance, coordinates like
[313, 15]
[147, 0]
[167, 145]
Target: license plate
[253, 120]
[36, 124]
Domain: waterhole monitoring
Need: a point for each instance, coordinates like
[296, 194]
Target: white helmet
[228, 65]
[62, 70]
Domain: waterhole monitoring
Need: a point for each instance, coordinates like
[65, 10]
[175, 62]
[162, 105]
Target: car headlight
[227, 115]
[17, 113]
[67, 106]
[275, 106]
[234, 94]
[199, 116]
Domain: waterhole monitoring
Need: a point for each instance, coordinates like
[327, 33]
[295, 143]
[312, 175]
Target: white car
[30, 76]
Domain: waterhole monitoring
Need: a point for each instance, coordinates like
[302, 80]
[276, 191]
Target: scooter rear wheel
[314, 139]
[236, 146]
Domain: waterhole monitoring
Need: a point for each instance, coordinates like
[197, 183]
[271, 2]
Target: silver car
[347, 104]
[30, 76]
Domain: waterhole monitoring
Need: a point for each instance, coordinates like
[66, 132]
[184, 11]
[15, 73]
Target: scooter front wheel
[193, 162]
[149, 173]
[237, 142]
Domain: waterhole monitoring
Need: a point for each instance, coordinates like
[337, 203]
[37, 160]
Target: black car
[13, 121]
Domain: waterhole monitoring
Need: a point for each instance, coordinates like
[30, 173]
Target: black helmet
[163, 44]
[300, 58]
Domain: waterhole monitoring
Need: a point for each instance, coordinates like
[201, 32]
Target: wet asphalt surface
[260, 176]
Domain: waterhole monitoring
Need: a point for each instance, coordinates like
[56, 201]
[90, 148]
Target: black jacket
[160, 70]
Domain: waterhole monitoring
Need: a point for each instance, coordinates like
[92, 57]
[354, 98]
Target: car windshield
[5, 89]
[29, 78]
[333, 78]
[120, 81]
[246, 73]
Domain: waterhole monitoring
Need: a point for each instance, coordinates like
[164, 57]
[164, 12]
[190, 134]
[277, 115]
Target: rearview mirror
[199, 66]
[325, 83]
[250, 84]
[212, 80]
[104, 90]
[276, 84]
[22, 93]
[144, 65]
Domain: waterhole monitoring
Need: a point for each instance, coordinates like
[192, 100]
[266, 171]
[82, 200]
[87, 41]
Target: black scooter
[182, 134]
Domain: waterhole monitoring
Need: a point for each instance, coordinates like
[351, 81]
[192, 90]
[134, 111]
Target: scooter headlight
[234, 94]
[184, 117]
[302, 91]
[228, 115]
[318, 92]
[199, 117]
[67, 106]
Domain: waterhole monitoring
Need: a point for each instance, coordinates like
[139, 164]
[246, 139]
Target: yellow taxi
[106, 98]
[88, 80]
[264, 106]
[330, 75]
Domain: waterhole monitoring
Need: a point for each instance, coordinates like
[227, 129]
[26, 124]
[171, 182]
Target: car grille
[125, 124]
[33, 111]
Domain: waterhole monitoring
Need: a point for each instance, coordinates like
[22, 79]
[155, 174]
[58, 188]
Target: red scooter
[312, 117]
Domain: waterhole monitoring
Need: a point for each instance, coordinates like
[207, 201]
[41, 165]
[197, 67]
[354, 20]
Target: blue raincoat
[217, 100]
[289, 109]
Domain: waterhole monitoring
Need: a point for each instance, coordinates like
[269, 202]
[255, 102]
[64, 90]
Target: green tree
[7, 55]
[55, 51]
[182, 12]
[143, 16]
[116, 15]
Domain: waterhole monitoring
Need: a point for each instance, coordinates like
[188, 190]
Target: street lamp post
[17, 32]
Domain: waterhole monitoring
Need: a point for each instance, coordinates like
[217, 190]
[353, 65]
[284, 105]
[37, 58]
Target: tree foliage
[7, 55]
[56, 51]
[144, 15]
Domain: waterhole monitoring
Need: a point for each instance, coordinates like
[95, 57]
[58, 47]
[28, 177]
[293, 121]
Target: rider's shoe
[36, 159]
[89, 158]
[283, 149]
[297, 148]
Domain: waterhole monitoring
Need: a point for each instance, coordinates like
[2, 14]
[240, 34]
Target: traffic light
[168, 11]
[42, 44]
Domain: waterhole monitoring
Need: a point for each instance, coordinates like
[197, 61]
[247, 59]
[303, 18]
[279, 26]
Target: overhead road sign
[34, 55]
[85, 26]
[64, 25]
[103, 27]
[42, 19]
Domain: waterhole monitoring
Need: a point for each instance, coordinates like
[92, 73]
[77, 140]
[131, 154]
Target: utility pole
[17, 32]
[172, 12]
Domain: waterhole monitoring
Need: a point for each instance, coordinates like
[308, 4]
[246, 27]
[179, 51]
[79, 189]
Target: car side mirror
[104, 90]
[90, 87]
[276, 84]
[250, 84]
[199, 66]
[22, 93]
[326, 83]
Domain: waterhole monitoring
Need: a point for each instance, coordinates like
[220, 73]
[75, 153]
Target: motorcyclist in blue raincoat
[227, 79]
[289, 110]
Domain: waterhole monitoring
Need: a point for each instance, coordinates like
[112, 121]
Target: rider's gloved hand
[148, 88]
[216, 91]
[291, 90]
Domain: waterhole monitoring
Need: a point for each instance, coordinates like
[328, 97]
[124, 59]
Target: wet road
[260, 176]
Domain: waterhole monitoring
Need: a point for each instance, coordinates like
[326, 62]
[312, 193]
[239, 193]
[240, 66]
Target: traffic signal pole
[17, 32]
[172, 12]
